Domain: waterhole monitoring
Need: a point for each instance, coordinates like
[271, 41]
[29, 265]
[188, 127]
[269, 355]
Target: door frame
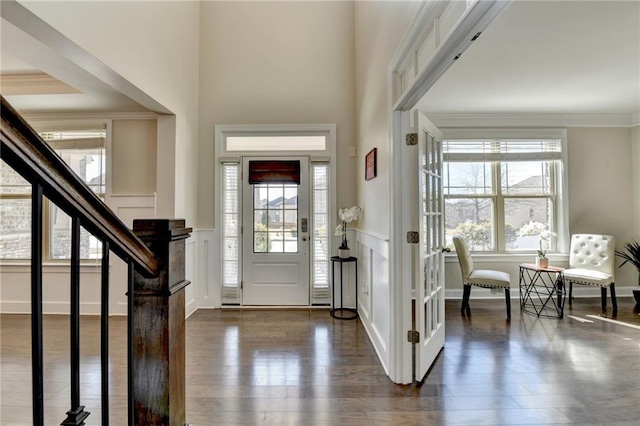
[303, 255]
[407, 83]
[224, 155]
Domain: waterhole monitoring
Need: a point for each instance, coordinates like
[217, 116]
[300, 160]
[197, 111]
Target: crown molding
[533, 120]
[34, 84]
[96, 116]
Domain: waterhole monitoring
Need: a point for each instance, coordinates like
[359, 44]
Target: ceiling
[548, 57]
[537, 57]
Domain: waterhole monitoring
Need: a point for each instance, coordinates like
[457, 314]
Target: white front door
[430, 286]
[275, 231]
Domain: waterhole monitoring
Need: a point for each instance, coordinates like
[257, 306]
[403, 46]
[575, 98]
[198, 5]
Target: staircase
[155, 253]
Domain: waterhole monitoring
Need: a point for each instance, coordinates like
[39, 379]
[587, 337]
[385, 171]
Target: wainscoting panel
[206, 283]
[375, 293]
[128, 208]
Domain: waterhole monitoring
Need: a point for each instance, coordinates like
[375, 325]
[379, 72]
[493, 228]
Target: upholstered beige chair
[592, 262]
[481, 278]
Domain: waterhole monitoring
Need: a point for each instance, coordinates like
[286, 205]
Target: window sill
[18, 267]
[508, 257]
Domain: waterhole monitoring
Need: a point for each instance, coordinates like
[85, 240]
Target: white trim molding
[443, 120]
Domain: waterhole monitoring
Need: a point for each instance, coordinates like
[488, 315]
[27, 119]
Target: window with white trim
[499, 194]
[84, 151]
[230, 232]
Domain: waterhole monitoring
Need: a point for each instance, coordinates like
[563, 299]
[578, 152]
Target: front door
[275, 231]
[430, 264]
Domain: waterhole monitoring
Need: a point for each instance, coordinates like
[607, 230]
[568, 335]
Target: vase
[343, 253]
[542, 262]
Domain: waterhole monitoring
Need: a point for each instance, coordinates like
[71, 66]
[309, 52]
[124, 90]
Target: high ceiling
[548, 57]
[538, 57]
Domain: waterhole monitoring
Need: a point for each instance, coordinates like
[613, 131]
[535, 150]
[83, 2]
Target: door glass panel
[275, 218]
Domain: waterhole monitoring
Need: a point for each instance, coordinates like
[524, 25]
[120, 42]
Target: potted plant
[543, 240]
[346, 215]
[631, 254]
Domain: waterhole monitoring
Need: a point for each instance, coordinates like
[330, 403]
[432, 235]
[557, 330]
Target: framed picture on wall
[370, 164]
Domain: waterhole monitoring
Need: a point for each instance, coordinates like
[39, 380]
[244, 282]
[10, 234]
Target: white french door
[429, 294]
[275, 231]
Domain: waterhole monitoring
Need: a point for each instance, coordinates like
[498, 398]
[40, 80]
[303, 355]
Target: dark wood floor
[301, 367]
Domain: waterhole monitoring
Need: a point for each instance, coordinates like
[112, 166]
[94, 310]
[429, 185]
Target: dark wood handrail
[25, 151]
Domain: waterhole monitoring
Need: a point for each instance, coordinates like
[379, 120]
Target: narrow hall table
[340, 312]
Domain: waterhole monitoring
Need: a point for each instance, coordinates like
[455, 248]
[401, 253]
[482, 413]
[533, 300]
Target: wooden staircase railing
[155, 253]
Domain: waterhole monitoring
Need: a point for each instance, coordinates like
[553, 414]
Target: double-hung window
[501, 192]
[84, 151]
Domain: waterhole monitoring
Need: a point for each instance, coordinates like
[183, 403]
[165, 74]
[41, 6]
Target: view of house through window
[500, 195]
[84, 152]
[275, 211]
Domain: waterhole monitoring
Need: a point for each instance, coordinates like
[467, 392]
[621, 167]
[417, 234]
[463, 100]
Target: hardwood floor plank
[301, 367]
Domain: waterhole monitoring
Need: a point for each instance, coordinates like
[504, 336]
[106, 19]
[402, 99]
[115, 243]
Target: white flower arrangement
[346, 215]
[545, 236]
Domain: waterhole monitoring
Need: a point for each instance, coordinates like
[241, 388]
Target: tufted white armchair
[485, 278]
[592, 262]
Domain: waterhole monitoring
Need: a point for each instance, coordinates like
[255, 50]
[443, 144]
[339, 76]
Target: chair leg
[465, 300]
[507, 298]
[603, 296]
[570, 293]
[614, 302]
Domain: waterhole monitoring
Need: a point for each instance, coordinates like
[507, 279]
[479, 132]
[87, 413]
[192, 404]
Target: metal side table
[542, 290]
[341, 312]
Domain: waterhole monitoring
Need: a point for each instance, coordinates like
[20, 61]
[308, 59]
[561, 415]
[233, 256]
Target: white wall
[134, 157]
[379, 27]
[635, 167]
[276, 63]
[291, 63]
[153, 45]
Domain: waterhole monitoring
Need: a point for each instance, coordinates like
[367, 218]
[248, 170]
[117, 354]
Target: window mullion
[498, 208]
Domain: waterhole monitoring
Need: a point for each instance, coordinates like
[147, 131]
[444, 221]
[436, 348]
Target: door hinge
[411, 139]
[413, 237]
[241, 230]
[241, 285]
[413, 336]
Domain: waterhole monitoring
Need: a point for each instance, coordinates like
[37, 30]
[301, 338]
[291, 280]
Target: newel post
[159, 326]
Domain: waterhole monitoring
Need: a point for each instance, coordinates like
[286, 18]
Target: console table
[341, 312]
[542, 290]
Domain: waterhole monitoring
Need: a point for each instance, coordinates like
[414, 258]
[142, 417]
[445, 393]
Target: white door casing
[429, 294]
[275, 267]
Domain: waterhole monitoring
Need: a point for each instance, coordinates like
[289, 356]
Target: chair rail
[25, 151]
